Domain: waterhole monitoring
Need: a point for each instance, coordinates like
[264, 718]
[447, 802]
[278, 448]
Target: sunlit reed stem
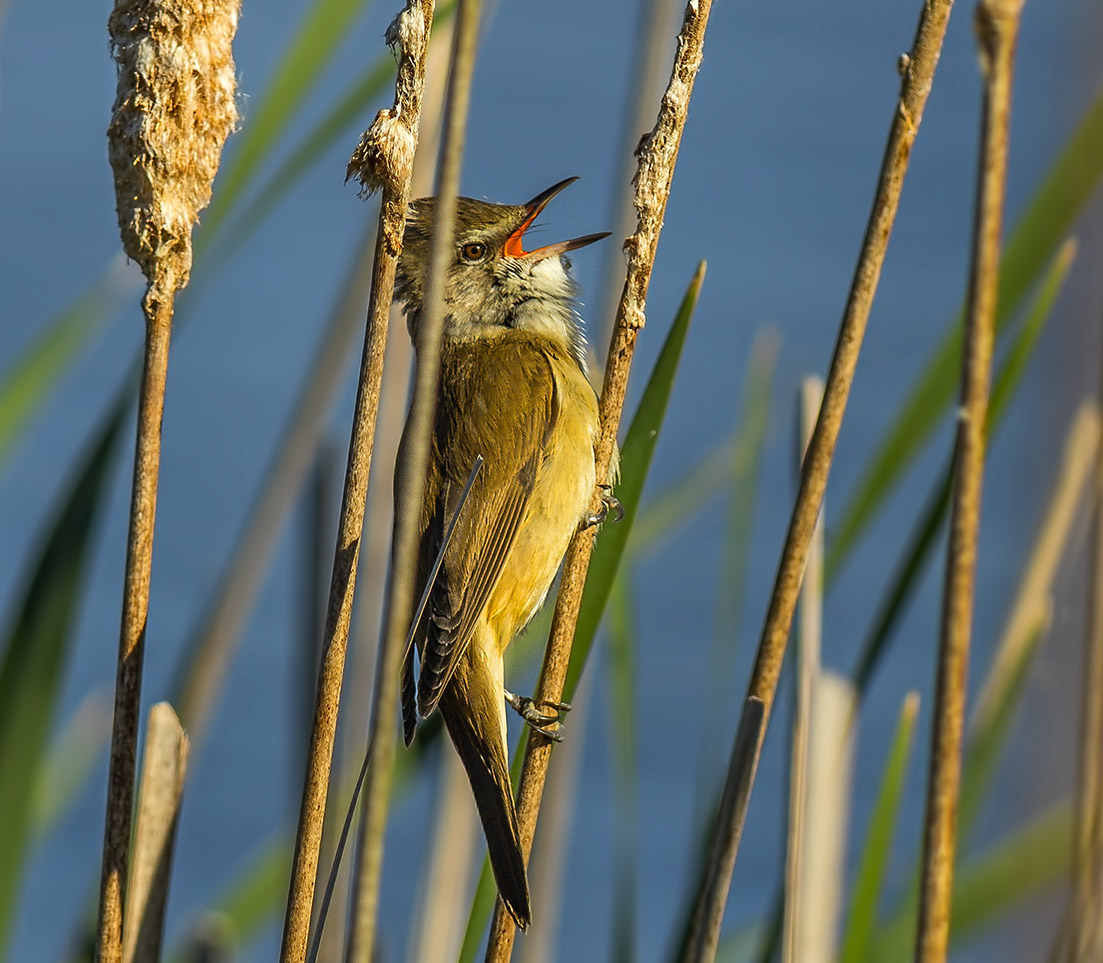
[918, 69]
[383, 160]
[997, 23]
[413, 470]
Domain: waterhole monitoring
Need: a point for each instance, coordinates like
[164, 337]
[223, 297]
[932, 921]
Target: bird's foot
[544, 723]
[609, 502]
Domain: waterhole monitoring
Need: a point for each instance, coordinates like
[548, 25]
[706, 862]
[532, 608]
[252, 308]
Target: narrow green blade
[624, 726]
[1054, 207]
[869, 884]
[985, 744]
[75, 754]
[635, 460]
[35, 652]
[720, 669]
[27, 382]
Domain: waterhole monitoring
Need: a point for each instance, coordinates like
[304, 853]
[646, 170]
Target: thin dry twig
[383, 160]
[174, 109]
[657, 155]
[163, 770]
[997, 23]
[918, 69]
[381, 732]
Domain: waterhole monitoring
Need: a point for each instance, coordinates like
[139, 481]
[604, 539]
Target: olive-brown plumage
[513, 389]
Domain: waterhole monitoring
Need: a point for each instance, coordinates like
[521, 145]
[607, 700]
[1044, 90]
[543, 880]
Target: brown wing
[498, 400]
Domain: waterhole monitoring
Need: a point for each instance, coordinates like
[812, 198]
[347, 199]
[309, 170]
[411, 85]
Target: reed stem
[997, 24]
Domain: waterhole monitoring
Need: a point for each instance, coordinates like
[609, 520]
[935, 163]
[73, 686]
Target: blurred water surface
[773, 185]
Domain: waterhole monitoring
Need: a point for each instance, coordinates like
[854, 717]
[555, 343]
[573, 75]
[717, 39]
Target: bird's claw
[547, 725]
[609, 502]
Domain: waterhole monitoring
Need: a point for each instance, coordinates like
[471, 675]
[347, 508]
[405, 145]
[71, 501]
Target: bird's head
[492, 281]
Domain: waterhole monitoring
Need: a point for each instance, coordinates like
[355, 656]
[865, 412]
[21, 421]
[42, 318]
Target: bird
[514, 390]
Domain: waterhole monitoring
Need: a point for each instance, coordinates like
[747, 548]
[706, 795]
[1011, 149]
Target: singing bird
[513, 389]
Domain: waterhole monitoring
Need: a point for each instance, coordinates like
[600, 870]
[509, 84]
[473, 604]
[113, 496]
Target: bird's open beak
[514, 246]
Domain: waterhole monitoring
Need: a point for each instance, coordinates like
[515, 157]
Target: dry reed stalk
[657, 154]
[1088, 852]
[174, 109]
[809, 646]
[400, 601]
[163, 769]
[382, 161]
[997, 23]
[918, 69]
[1034, 592]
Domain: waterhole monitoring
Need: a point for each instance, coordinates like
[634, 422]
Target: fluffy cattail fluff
[385, 155]
[174, 108]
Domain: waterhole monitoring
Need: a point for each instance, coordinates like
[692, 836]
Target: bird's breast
[560, 500]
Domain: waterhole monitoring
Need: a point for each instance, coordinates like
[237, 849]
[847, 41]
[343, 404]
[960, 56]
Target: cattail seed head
[174, 108]
[385, 154]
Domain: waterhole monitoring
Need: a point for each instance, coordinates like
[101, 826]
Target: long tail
[409, 700]
[474, 717]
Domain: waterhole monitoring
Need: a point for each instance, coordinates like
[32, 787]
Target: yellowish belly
[559, 501]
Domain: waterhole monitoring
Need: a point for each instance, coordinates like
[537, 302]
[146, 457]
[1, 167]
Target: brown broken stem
[163, 770]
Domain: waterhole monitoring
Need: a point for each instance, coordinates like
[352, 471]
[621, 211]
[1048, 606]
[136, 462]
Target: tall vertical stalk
[657, 155]
[174, 108]
[128, 678]
[997, 23]
[918, 69]
[383, 160]
[400, 601]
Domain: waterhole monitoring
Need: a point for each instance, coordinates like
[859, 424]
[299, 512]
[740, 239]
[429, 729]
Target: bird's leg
[527, 709]
[608, 501]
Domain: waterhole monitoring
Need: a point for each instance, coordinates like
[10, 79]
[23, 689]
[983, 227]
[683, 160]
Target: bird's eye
[475, 251]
